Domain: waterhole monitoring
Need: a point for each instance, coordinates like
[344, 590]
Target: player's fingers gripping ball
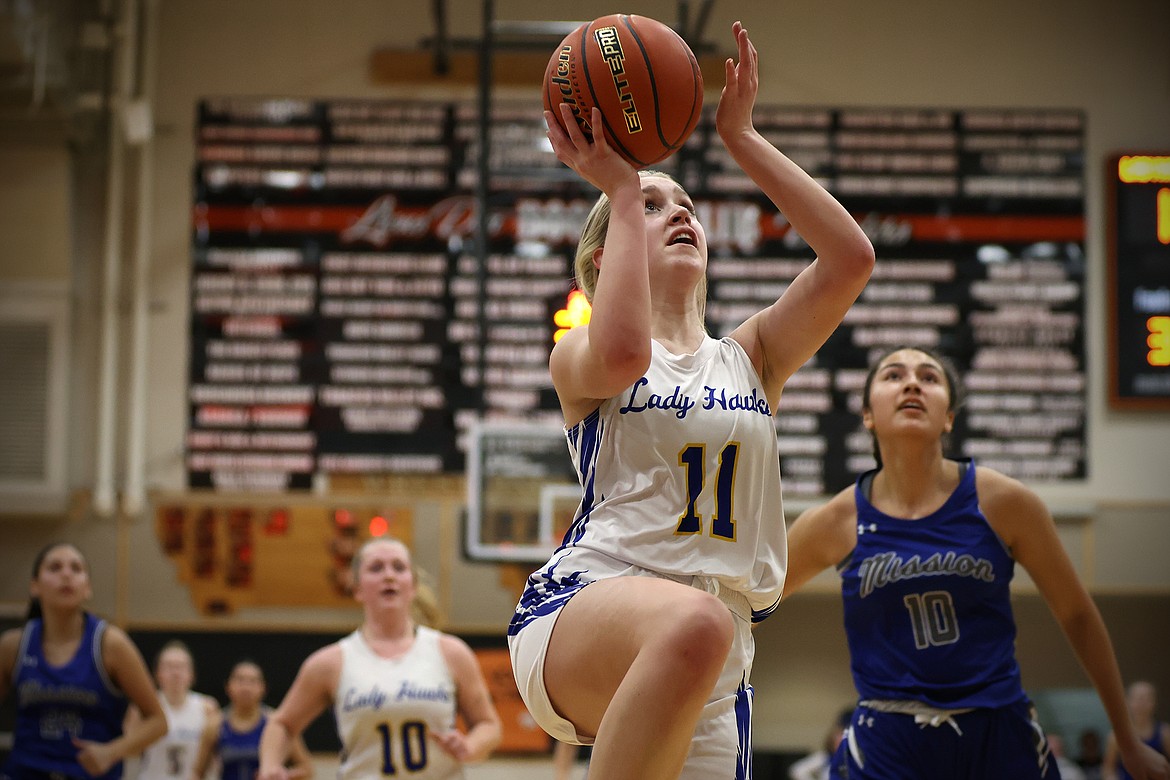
[640, 73]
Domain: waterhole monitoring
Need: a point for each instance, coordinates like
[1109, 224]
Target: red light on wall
[378, 526]
[174, 521]
[239, 570]
[342, 518]
[277, 523]
[204, 559]
[239, 521]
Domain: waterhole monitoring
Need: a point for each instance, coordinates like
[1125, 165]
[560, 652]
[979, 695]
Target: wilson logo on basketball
[657, 95]
[564, 84]
[615, 58]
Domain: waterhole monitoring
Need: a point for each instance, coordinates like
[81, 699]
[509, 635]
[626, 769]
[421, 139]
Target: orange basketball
[642, 76]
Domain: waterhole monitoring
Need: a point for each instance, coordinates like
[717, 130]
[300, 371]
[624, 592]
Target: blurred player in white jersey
[395, 687]
[192, 719]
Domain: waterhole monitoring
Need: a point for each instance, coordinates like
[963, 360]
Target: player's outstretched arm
[1026, 526]
[308, 696]
[475, 705]
[822, 536]
[785, 335]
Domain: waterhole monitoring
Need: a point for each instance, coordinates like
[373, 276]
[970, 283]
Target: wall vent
[34, 364]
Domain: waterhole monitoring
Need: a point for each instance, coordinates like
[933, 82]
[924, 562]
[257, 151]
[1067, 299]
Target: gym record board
[341, 324]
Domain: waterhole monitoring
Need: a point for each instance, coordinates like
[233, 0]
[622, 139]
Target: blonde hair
[175, 644]
[424, 608]
[593, 238]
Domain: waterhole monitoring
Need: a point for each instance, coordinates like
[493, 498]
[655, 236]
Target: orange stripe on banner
[278, 219]
[995, 228]
[923, 227]
[955, 229]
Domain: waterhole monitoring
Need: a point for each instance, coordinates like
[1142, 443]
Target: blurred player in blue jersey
[1142, 699]
[926, 548]
[73, 676]
[237, 740]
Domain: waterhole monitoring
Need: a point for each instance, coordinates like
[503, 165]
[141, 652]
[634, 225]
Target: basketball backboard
[522, 492]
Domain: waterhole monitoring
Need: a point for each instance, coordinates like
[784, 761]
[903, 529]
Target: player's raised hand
[593, 160]
[734, 113]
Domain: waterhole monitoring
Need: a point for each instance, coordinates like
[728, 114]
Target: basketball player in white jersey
[192, 719]
[395, 687]
[635, 636]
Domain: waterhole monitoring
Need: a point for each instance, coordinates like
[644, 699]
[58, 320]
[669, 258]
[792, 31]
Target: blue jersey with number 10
[927, 606]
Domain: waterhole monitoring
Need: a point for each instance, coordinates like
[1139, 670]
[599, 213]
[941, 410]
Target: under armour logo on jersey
[862, 528]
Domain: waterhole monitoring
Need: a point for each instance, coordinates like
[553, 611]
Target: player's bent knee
[701, 632]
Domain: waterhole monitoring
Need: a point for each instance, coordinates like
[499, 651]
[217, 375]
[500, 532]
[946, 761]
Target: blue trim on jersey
[96, 650]
[545, 593]
[547, 590]
[586, 437]
[744, 698]
[760, 615]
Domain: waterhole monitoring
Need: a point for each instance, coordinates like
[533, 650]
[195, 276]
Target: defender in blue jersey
[926, 548]
[73, 676]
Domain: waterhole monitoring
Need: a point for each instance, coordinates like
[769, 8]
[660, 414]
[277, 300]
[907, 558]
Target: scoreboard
[342, 325]
[1139, 280]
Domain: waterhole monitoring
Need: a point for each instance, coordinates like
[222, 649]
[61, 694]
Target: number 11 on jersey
[692, 459]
